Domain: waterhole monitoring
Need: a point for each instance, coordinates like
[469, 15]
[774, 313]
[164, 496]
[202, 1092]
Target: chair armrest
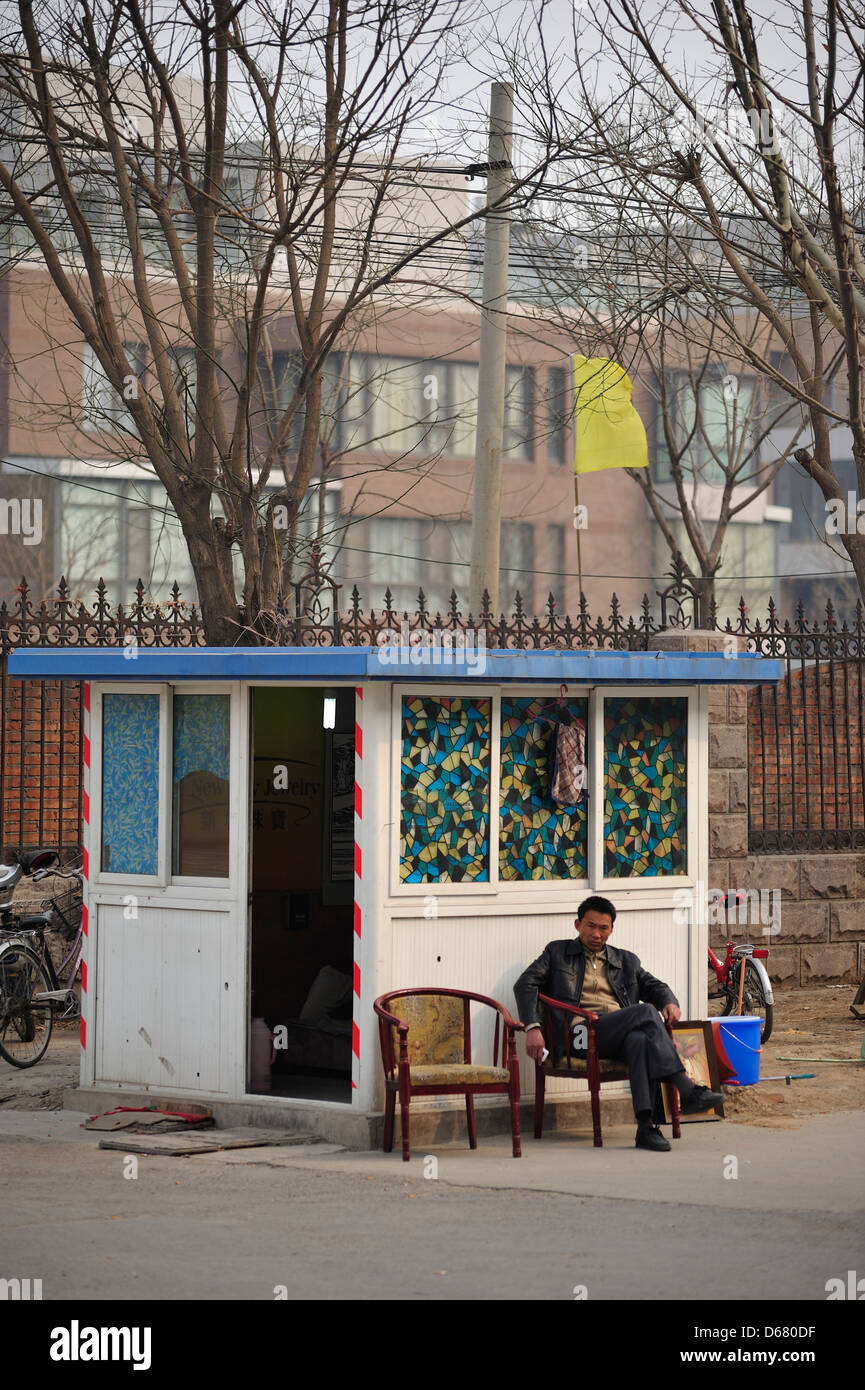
[587, 1014]
[390, 1018]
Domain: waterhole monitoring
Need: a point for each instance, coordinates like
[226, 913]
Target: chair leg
[515, 1123]
[470, 1120]
[389, 1110]
[674, 1107]
[596, 1117]
[540, 1088]
[403, 1115]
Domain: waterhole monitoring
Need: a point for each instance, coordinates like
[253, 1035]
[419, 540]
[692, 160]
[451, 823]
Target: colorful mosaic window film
[537, 837]
[130, 784]
[445, 789]
[645, 795]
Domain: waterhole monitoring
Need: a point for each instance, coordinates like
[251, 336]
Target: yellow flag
[610, 433]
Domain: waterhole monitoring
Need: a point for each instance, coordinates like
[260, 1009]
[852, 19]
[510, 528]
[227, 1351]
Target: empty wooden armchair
[426, 1050]
[558, 1021]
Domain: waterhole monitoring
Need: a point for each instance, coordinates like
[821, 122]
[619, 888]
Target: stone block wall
[820, 897]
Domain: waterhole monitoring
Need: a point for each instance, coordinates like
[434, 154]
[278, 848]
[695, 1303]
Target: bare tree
[734, 145]
[225, 184]
[712, 423]
[713, 453]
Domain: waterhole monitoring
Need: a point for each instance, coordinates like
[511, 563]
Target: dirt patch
[41, 1087]
[812, 1022]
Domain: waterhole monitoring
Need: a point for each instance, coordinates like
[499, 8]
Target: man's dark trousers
[638, 1036]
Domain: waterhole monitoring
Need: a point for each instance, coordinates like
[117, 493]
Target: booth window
[645, 766]
[200, 786]
[130, 784]
[445, 790]
[537, 837]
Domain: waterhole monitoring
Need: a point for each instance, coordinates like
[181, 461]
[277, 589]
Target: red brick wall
[40, 776]
[815, 764]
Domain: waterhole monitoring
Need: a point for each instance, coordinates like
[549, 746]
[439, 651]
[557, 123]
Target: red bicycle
[756, 991]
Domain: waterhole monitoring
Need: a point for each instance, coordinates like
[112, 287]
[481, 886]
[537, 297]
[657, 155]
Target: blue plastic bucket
[740, 1038]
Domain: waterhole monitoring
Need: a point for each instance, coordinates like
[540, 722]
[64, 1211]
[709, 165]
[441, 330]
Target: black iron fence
[805, 737]
[806, 750]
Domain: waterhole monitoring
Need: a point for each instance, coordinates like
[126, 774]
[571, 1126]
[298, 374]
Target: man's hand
[535, 1044]
[671, 1012]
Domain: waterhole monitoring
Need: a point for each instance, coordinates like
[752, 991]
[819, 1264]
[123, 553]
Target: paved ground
[327, 1224]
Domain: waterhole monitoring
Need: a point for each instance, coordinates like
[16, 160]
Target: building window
[403, 406]
[446, 787]
[645, 773]
[130, 784]
[184, 371]
[558, 414]
[404, 555]
[712, 427]
[200, 785]
[279, 379]
[537, 837]
[519, 420]
[552, 566]
[123, 532]
[517, 563]
[103, 408]
[445, 768]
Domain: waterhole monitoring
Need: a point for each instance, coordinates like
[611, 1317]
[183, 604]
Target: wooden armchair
[565, 1061]
[426, 1050]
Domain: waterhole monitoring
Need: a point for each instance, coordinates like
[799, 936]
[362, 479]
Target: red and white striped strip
[358, 875]
[85, 804]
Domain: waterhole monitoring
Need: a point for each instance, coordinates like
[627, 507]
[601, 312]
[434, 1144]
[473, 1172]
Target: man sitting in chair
[589, 973]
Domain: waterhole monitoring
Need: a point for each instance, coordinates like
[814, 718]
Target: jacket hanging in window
[568, 782]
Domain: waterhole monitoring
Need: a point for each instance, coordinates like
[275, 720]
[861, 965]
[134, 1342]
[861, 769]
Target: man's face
[594, 929]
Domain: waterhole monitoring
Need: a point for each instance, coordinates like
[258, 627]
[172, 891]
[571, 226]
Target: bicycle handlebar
[57, 873]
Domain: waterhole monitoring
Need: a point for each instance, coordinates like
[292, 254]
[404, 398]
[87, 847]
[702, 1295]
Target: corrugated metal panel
[160, 996]
[486, 954]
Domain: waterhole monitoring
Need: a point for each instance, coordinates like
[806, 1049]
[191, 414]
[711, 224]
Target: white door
[162, 1006]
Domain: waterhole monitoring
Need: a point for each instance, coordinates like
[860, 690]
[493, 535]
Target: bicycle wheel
[753, 997]
[25, 1023]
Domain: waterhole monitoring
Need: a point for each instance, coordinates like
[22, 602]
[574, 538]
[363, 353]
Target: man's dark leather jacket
[560, 970]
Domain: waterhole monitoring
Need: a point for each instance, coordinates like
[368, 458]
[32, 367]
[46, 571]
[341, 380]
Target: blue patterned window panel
[200, 785]
[537, 837]
[645, 786]
[445, 790]
[130, 784]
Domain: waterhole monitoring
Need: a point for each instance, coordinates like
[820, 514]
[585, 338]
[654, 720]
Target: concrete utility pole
[487, 497]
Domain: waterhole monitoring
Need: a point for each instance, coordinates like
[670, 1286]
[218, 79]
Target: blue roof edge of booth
[359, 664]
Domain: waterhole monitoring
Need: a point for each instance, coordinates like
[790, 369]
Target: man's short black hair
[596, 904]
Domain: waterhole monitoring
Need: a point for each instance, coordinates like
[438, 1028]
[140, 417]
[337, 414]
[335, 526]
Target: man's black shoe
[700, 1099]
[650, 1137]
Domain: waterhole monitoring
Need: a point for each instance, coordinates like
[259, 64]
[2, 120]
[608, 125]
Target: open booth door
[301, 877]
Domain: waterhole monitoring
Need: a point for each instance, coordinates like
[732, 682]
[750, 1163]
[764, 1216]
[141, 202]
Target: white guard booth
[276, 836]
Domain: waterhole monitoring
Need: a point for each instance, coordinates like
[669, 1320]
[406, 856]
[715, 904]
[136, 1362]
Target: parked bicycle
[33, 992]
[754, 989]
